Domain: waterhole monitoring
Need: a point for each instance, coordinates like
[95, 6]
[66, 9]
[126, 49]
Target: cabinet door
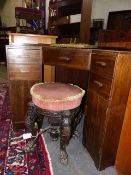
[19, 97]
[94, 126]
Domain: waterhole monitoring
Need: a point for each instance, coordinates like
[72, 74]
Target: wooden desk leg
[49, 73]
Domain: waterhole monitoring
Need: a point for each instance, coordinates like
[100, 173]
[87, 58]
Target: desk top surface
[32, 35]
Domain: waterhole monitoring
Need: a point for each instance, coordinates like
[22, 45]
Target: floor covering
[80, 162]
[14, 158]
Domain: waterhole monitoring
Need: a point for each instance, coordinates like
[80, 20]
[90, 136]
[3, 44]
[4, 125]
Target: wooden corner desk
[104, 74]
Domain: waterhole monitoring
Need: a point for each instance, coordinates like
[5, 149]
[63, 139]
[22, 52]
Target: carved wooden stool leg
[30, 116]
[39, 121]
[76, 120]
[65, 135]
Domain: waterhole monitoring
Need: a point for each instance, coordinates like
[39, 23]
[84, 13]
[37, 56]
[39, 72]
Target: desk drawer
[76, 58]
[100, 85]
[24, 55]
[103, 64]
[24, 72]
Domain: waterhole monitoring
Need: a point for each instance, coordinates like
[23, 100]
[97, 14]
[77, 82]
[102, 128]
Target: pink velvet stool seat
[56, 96]
[59, 102]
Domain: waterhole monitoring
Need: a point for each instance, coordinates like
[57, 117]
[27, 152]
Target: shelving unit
[34, 15]
[60, 24]
[59, 18]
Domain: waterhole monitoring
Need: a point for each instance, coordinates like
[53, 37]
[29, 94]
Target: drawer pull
[64, 59]
[98, 83]
[103, 64]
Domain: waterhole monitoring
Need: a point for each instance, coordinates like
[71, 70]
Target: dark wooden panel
[119, 20]
[85, 21]
[123, 159]
[19, 97]
[93, 137]
[73, 76]
[67, 75]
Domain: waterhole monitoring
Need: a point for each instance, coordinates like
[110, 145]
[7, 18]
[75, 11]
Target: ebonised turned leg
[65, 135]
[30, 116]
[33, 118]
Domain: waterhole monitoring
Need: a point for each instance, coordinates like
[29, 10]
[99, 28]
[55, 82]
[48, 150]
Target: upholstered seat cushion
[56, 96]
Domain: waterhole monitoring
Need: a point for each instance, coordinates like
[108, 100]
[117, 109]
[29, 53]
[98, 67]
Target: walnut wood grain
[24, 72]
[123, 159]
[69, 57]
[93, 132]
[107, 91]
[19, 97]
[101, 85]
[103, 63]
[29, 55]
[85, 21]
[112, 112]
[24, 65]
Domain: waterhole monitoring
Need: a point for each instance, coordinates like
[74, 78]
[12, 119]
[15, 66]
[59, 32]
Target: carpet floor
[3, 74]
[79, 163]
[14, 159]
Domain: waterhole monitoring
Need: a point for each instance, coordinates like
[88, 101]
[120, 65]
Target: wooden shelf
[59, 23]
[60, 9]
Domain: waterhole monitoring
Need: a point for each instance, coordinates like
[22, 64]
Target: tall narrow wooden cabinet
[24, 69]
[109, 83]
[24, 63]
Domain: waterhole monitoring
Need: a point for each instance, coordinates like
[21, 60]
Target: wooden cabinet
[107, 97]
[119, 20]
[115, 39]
[24, 69]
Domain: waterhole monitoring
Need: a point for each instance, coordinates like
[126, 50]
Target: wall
[100, 9]
[7, 11]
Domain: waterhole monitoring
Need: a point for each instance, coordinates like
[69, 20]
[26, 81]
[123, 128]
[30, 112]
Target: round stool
[61, 104]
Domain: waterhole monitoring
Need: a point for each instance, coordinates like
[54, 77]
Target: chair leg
[65, 135]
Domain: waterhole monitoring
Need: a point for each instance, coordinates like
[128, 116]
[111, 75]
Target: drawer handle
[98, 83]
[103, 64]
[64, 59]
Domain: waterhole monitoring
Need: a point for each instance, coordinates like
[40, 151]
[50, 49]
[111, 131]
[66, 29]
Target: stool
[61, 104]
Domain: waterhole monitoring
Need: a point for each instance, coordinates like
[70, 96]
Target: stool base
[62, 123]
